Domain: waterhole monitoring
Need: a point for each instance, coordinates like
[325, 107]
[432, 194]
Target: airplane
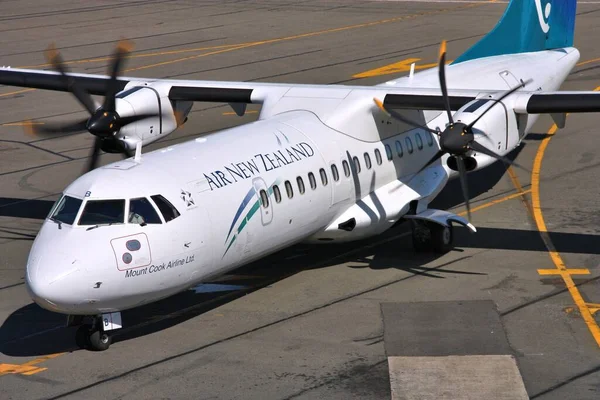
[323, 163]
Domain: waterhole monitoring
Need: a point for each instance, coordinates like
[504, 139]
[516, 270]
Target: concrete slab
[456, 377]
[449, 328]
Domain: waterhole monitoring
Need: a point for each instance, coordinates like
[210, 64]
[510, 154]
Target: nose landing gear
[92, 338]
[93, 333]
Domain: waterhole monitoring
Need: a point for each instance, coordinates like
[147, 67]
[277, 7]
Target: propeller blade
[498, 100]
[482, 149]
[396, 115]
[122, 50]
[55, 129]
[442, 75]
[93, 161]
[54, 58]
[462, 171]
[123, 121]
[436, 157]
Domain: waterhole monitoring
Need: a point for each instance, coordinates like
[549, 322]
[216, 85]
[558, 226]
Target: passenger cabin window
[167, 209]
[264, 198]
[323, 176]
[399, 149]
[346, 168]
[66, 210]
[312, 180]
[356, 164]
[300, 184]
[289, 190]
[419, 141]
[277, 193]
[409, 145]
[335, 173]
[141, 211]
[368, 160]
[99, 212]
[388, 152]
[378, 157]
[430, 139]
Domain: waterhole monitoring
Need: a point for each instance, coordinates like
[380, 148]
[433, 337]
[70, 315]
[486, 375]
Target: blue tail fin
[528, 25]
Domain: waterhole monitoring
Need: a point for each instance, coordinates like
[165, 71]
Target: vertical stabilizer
[527, 26]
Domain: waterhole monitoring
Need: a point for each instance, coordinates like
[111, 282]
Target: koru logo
[543, 16]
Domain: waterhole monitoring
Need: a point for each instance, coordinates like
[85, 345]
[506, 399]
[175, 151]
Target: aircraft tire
[442, 238]
[99, 340]
[421, 237]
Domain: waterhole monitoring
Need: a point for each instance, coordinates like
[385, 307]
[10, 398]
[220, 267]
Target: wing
[231, 92]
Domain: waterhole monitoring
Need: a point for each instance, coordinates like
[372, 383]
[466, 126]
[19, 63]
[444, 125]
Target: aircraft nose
[51, 287]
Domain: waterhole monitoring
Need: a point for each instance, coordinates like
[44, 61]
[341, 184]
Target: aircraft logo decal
[543, 17]
[187, 198]
[255, 207]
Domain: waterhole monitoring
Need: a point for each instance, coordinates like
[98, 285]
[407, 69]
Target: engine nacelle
[139, 99]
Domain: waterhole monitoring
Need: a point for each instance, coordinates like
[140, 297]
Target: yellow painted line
[396, 68]
[25, 123]
[593, 60]
[493, 202]
[570, 271]
[16, 92]
[247, 112]
[28, 368]
[231, 47]
[584, 310]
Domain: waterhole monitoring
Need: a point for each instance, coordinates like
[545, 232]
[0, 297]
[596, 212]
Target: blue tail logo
[528, 26]
[543, 16]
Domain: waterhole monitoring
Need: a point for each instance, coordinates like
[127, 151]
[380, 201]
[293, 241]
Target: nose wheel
[429, 237]
[92, 337]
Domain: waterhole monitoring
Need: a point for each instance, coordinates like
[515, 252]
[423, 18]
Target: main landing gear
[93, 332]
[431, 237]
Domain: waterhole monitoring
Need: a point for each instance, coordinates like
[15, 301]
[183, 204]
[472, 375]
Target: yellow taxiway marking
[396, 68]
[569, 271]
[247, 112]
[584, 308]
[24, 123]
[231, 47]
[17, 92]
[493, 202]
[28, 368]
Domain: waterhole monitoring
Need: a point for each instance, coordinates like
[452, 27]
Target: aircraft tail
[528, 26]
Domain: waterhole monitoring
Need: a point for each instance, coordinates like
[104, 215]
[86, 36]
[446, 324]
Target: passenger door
[264, 200]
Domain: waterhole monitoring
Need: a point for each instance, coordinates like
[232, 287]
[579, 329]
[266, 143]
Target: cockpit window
[167, 209]
[98, 212]
[66, 210]
[142, 212]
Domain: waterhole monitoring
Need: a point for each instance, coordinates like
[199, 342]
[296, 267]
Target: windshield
[97, 212]
[66, 210]
[142, 212]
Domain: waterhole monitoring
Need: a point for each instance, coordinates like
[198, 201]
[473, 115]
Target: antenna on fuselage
[412, 71]
[138, 152]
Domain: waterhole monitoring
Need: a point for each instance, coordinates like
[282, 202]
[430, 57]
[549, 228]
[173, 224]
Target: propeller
[104, 122]
[457, 138]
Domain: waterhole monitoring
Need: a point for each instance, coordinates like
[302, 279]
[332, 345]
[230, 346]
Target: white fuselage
[215, 182]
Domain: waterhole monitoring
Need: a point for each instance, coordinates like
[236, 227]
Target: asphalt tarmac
[306, 322]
